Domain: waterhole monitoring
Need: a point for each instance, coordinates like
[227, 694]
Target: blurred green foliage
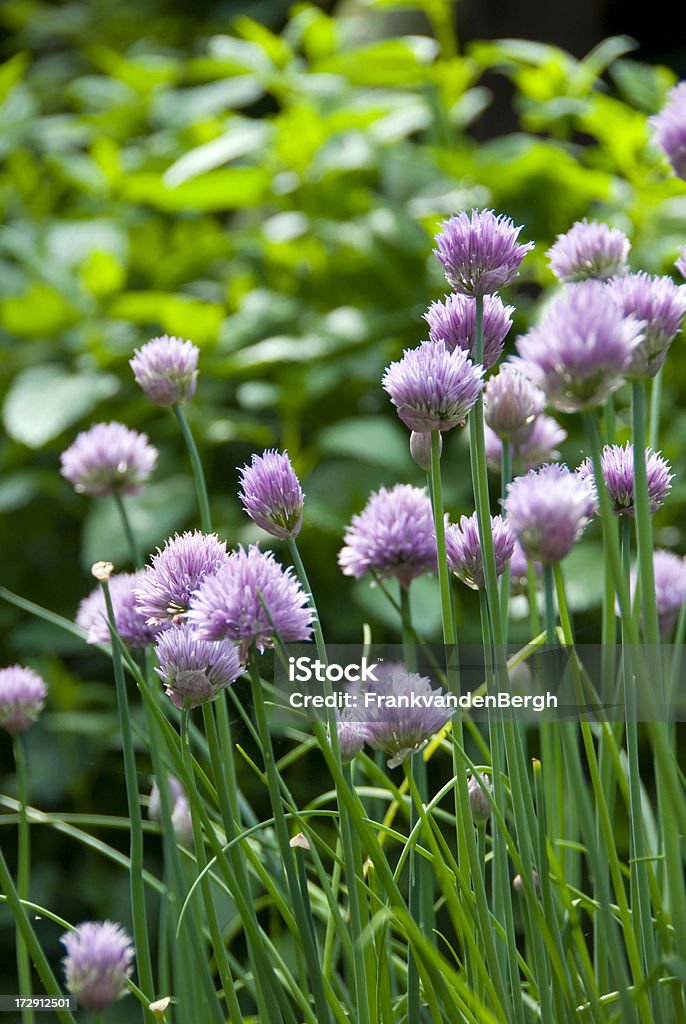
[273, 198]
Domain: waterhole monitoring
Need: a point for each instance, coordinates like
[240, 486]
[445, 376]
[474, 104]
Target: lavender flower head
[130, 623]
[548, 509]
[617, 466]
[402, 712]
[589, 249]
[669, 129]
[22, 696]
[393, 537]
[108, 459]
[251, 600]
[660, 306]
[194, 671]
[181, 814]
[582, 349]
[541, 444]
[271, 494]
[479, 251]
[433, 388]
[98, 963]
[669, 571]
[175, 572]
[680, 262]
[454, 321]
[166, 369]
[352, 733]
[463, 548]
[511, 404]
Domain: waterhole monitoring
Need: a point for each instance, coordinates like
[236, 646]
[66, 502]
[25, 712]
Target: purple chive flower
[463, 548]
[548, 509]
[680, 262]
[166, 369]
[669, 571]
[181, 815]
[98, 963]
[582, 349]
[175, 572]
[511, 403]
[669, 129]
[519, 570]
[251, 600]
[617, 465]
[393, 537]
[589, 249]
[351, 733]
[479, 252]
[454, 321]
[433, 388]
[107, 459]
[130, 623]
[194, 671]
[22, 696]
[402, 712]
[660, 306]
[271, 494]
[540, 446]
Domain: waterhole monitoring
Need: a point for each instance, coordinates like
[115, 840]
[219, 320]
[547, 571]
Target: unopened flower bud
[480, 804]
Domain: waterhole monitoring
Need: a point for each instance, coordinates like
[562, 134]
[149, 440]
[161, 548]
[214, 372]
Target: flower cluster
[98, 963]
[192, 669]
[669, 129]
[175, 573]
[432, 387]
[397, 730]
[166, 369]
[108, 459]
[480, 252]
[271, 494]
[659, 305]
[548, 509]
[454, 322]
[463, 548]
[617, 466]
[589, 249]
[22, 696]
[130, 622]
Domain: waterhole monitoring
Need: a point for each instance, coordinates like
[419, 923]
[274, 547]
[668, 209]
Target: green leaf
[44, 400]
[229, 189]
[39, 311]
[372, 439]
[178, 315]
[11, 72]
[244, 136]
[390, 62]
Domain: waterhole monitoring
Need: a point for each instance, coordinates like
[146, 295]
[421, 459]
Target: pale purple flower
[107, 459]
[589, 249]
[166, 369]
[420, 449]
[433, 388]
[402, 712]
[180, 816]
[519, 570]
[541, 445]
[617, 466]
[22, 696]
[669, 129]
[659, 305]
[393, 537]
[669, 571]
[511, 403]
[175, 573]
[351, 733]
[454, 321]
[463, 548]
[479, 251]
[131, 625]
[252, 600]
[680, 262]
[194, 671]
[582, 349]
[271, 494]
[98, 963]
[548, 509]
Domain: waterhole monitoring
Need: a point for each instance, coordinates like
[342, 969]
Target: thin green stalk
[549, 590]
[610, 423]
[304, 923]
[643, 517]
[23, 871]
[505, 478]
[50, 986]
[196, 465]
[134, 546]
[655, 403]
[137, 885]
[449, 631]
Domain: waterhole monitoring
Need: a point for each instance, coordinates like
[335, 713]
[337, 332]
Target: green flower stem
[34, 947]
[218, 945]
[610, 421]
[532, 597]
[550, 619]
[449, 631]
[302, 576]
[138, 911]
[23, 871]
[134, 546]
[505, 478]
[196, 465]
[644, 522]
[655, 403]
[304, 922]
